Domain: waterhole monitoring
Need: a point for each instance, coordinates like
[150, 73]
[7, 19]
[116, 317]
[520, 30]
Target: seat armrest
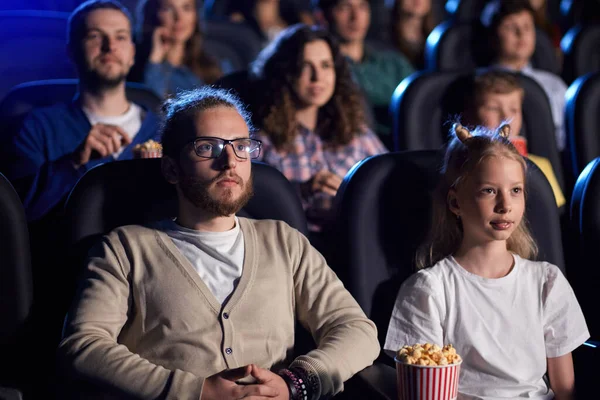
[377, 382]
[585, 360]
[10, 394]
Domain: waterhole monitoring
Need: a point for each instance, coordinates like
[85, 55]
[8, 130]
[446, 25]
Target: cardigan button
[228, 350]
[226, 315]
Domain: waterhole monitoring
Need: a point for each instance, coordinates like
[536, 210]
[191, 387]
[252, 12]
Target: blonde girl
[513, 320]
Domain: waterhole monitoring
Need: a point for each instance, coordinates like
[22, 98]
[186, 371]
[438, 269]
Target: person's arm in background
[346, 339]
[157, 72]
[44, 183]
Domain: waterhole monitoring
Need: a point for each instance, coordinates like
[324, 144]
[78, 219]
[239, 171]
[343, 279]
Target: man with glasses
[205, 306]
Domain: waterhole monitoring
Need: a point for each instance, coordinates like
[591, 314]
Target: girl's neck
[308, 117]
[490, 260]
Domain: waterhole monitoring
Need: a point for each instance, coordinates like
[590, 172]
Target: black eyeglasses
[212, 147]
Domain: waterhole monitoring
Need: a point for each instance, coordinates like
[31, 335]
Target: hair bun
[504, 131]
[461, 132]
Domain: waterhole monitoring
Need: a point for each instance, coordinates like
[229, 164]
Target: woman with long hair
[169, 45]
[311, 115]
[412, 22]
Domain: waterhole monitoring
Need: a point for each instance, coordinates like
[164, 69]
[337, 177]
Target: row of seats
[378, 229]
[566, 12]
[33, 46]
[451, 46]
[455, 46]
[421, 108]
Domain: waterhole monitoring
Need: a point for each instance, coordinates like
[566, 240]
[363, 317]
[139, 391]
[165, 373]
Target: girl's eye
[517, 190]
[488, 191]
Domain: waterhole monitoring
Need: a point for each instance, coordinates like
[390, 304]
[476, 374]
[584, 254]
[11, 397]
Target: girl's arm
[562, 377]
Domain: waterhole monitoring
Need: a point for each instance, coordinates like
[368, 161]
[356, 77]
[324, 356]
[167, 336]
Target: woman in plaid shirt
[312, 116]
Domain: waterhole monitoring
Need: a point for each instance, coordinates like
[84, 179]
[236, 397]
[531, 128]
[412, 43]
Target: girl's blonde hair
[465, 152]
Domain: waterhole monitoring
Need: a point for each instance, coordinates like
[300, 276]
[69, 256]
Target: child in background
[498, 97]
[512, 38]
[511, 319]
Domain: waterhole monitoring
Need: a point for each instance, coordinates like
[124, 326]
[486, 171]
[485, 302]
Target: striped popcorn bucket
[148, 154]
[418, 382]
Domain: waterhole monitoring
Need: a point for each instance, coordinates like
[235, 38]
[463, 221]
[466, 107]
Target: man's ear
[452, 201]
[170, 170]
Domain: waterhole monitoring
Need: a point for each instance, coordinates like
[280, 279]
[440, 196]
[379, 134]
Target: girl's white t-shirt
[504, 328]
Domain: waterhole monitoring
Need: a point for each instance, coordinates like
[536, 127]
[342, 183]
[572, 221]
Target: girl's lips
[501, 225]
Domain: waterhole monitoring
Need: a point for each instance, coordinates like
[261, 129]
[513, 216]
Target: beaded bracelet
[297, 386]
[312, 381]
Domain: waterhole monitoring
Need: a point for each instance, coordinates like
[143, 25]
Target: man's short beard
[97, 82]
[197, 192]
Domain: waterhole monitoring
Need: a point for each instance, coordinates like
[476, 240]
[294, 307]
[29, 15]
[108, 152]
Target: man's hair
[77, 24]
[495, 82]
[494, 12]
[326, 5]
[180, 113]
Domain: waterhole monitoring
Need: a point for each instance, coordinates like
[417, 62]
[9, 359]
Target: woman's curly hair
[276, 71]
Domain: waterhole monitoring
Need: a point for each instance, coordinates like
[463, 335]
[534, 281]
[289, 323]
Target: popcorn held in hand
[149, 149]
[428, 355]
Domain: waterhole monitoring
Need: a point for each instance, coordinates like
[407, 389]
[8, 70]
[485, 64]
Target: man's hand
[223, 386]
[324, 181]
[161, 44]
[104, 140]
[268, 378]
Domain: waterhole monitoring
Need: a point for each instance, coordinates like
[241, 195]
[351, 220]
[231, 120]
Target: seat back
[24, 97]
[424, 103]
[581, 47]
[582, 121]
[16, 287]
[464, 10]
[238, 36]
[384, 214]
[16, 294]
[33, 47]
[578, 11]
[240, 83]
[454, 46]
[585, 221]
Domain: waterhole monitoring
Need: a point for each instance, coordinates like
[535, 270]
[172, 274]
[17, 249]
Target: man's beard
[96, 81]
[198, 193]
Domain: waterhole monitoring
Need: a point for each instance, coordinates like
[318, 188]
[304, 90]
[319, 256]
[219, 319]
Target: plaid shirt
[310, 155]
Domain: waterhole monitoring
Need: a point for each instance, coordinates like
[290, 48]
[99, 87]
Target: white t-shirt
[218, 257]
[504, 328]
[130, 122]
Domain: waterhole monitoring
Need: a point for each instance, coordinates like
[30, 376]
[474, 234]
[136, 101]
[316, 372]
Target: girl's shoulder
[432, 277]
[540, 271]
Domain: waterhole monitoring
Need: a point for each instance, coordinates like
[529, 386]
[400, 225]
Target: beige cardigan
[144, 324]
